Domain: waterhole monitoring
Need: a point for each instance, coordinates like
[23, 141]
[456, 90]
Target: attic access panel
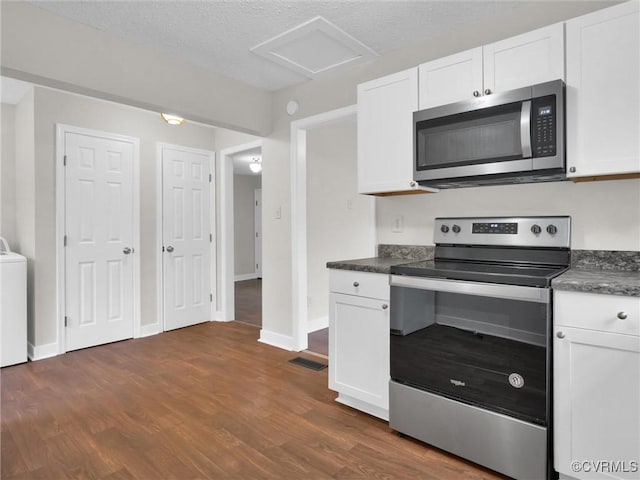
[314, 47]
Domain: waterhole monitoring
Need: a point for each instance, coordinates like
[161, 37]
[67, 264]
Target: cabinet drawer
[597, 312]
[364, 284]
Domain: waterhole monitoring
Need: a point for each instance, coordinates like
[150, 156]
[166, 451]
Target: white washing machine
[13, 306]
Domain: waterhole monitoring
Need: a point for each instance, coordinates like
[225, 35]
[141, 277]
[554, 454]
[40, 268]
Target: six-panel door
[186, 238]
[99, 231]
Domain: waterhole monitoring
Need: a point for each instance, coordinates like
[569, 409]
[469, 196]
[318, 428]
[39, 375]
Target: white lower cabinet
[359, 340]
[596, 386]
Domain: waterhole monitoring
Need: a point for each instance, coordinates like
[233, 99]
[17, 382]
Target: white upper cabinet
[451, 79]
[603, 92]
[527, 59]
[385, 133]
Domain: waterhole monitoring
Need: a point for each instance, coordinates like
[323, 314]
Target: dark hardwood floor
[207, 401]
[318, 342]
[248, 301]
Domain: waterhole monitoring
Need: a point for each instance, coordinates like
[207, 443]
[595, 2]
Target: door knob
[169, 249]
[385, 306]
[127, 250]
[560, 335]
[622, 315]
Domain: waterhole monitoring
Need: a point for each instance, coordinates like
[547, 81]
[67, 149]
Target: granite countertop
[593, 271]
[600, 271]
[610, 282]
[373, 264]
[388, 256]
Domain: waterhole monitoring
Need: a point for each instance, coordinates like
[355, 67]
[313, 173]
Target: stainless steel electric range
[471, 353]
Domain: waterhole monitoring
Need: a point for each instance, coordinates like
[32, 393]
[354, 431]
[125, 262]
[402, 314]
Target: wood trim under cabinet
[619, 176]
[402, 192]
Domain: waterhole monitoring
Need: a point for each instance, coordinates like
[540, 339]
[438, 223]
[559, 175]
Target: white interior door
[99, 230]
[258, 227]
[186, 237]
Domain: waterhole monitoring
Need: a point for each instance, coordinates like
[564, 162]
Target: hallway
[248, 303]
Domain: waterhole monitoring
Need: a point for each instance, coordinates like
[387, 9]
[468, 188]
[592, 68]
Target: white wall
[47, 49]
[53, 107]
[332, 92]
[8, 175]
[605, 215]
[339, 221]
[25, 226]
[244, 187]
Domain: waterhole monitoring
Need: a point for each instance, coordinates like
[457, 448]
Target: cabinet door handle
[560, 335]
[476, 93]
[356, 284]
[622, 315]
[412, 184]
[572, 169]
[487, 91]
[385, 306]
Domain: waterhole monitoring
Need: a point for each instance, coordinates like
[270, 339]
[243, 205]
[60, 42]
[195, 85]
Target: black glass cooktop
[509, 274]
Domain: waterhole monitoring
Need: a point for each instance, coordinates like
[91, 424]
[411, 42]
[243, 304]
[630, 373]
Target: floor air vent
[308, 363]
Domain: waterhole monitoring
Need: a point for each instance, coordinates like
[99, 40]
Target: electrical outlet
[398, 224]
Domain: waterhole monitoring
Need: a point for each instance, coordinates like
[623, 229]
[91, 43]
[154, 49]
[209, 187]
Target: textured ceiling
[217, 34]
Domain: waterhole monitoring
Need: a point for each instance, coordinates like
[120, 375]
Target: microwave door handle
[525, 129]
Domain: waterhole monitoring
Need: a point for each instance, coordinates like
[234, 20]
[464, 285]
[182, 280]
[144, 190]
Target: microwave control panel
[544, 124]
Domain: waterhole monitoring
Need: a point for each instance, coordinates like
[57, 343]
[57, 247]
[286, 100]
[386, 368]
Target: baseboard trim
[374, 410]
[218, 316]
[40, 352]
[245, 276]
[276, 340]
[317, 324]
[149, 330]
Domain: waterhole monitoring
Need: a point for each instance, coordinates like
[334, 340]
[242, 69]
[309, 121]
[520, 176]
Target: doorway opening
[330, 221]
[241, 241]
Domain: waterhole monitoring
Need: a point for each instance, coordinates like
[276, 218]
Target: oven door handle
[510, 292]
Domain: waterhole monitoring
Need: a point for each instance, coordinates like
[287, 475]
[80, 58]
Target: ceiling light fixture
[256, 165]
[172, 119]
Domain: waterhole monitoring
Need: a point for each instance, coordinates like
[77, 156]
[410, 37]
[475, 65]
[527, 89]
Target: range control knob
[536, 229]
[456, 229]
[552, 229]
[444, 229]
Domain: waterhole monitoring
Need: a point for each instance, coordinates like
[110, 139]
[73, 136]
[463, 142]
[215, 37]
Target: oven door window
[488, 135]
[483, 351]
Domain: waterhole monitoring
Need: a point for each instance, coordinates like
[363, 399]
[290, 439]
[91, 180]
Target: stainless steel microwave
[516, 136]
